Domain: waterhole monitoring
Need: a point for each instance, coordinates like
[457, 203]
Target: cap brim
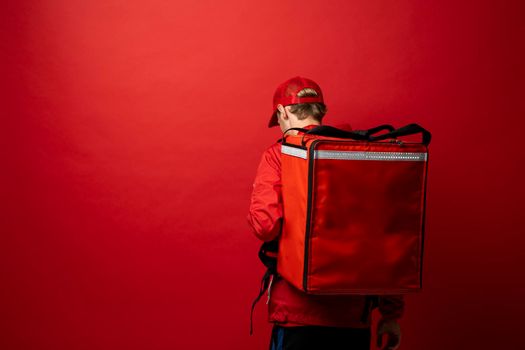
[273, 120]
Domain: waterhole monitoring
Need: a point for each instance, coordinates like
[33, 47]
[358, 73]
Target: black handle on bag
[375, 130]
[409, 129]
[326, 130]
[330, 131]
[366, 135]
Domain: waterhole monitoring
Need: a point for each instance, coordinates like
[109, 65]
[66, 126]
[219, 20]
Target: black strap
[375, 130]
[409, 129]
[265, 282]
[267, 254]
[330, 131]
[371, 302]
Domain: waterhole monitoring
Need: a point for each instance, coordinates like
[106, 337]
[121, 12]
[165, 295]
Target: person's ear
[282, 114]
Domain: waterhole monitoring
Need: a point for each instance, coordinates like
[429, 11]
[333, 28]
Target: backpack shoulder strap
[268, 256]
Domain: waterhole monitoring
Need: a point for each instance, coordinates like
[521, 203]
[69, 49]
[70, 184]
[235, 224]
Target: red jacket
[289, 306]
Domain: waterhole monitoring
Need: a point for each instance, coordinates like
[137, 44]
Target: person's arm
[266, 211]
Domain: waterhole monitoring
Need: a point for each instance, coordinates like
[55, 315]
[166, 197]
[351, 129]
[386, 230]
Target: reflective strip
[359, 155]
[355, 155]
[293, 151]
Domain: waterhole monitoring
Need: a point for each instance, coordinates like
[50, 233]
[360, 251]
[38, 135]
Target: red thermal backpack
[354, 211]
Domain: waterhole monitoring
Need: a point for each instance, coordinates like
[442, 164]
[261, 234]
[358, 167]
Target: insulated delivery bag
[354, 210]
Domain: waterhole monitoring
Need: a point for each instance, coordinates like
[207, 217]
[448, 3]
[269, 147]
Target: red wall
[131, 132]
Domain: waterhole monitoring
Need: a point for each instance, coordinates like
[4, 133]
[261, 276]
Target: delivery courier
[341, 216]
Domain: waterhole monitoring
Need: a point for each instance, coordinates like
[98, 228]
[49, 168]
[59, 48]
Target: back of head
[303, 95]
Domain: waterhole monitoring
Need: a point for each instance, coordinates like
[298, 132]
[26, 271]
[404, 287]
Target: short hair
[304, 110]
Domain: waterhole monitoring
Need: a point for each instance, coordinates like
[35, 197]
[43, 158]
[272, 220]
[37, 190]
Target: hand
[392, 330]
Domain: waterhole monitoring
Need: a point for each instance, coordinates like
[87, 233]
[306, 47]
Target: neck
[306, 122]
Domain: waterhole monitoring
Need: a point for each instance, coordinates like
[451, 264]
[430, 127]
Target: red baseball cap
[286, 94]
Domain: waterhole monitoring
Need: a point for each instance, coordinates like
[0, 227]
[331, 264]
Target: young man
[303, 321]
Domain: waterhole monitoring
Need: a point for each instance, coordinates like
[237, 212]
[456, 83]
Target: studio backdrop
[130, 135]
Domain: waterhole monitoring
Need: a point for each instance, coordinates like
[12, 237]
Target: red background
[131, 132]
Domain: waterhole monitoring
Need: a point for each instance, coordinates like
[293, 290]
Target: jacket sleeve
[266, 210]
[391, 306]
